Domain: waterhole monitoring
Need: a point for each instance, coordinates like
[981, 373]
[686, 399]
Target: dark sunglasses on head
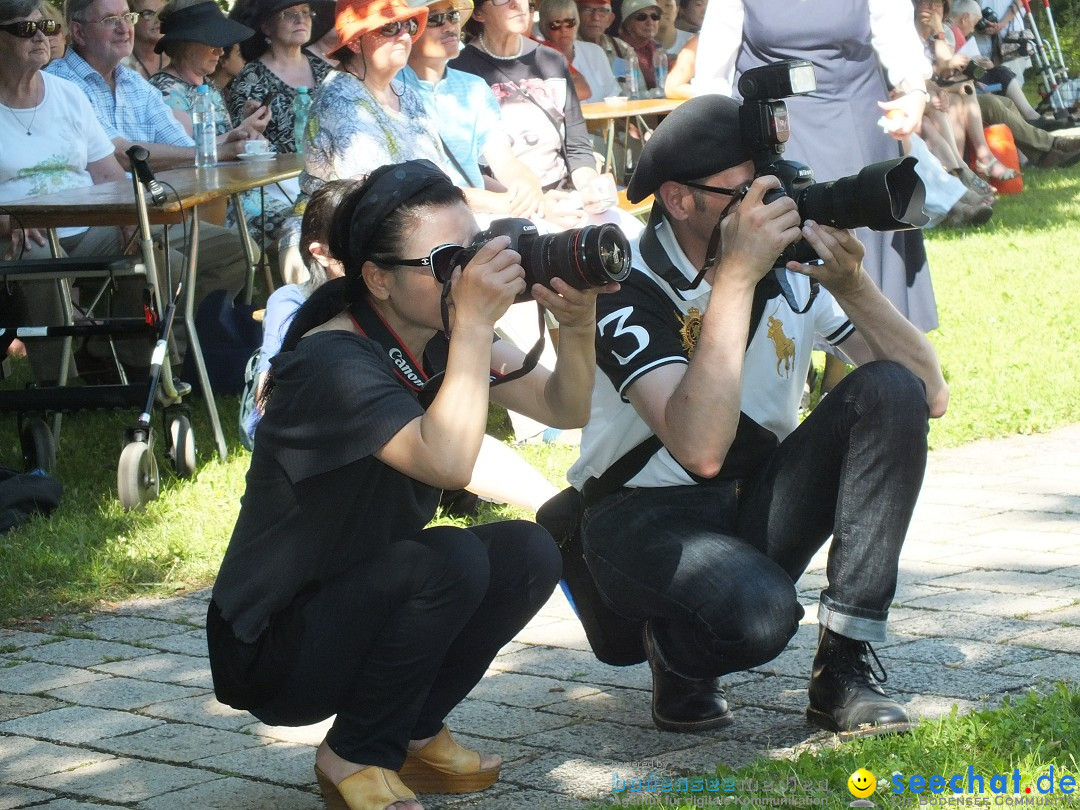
[28, 28]
[392, 29]
[559, 25]
[437, 20]
[642, 16]
[441, 261]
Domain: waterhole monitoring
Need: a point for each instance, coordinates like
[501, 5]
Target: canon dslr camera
[582, 257]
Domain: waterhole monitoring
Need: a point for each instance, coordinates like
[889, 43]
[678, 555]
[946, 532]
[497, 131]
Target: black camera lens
[582, 257]
[884, 196]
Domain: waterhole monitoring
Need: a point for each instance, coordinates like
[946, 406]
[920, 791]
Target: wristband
[939, 35]
[922, 90]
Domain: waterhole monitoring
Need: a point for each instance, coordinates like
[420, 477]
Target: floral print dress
[257, 81]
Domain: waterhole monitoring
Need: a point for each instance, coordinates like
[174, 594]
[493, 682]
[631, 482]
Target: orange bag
[1000, 140]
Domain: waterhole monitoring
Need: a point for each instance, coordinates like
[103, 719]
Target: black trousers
[392, 646]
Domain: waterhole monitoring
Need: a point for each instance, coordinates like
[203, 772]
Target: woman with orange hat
[364, 116]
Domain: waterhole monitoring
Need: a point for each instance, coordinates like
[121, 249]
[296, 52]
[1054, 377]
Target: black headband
[390, 189]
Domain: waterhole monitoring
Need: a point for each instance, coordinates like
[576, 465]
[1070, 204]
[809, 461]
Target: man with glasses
[596, 17]
[132, 111]
[703, 537]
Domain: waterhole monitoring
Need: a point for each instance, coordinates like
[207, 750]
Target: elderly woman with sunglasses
[50, 140]
[364, 116]
[277, 64]
[540, 108]
[559, 22]
[639, 28]
[334, 597]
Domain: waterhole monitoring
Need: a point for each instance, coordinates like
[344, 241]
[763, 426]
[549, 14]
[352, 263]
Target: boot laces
[857, 663]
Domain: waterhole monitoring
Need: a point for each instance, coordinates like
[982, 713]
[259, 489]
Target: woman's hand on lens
[571, 307]
[841, 254]
[488, 285]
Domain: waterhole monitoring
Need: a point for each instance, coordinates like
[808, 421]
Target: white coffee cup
[256, 147]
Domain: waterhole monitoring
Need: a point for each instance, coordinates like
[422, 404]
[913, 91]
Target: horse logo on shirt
[785, 346]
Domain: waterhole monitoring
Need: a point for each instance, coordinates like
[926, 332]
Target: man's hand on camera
[757, 233]
[487, 286]
[571, 307]
[841, 253]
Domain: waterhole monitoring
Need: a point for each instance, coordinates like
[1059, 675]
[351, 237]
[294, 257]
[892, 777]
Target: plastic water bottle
[660, 70]
[204, 128]
[300, 116]
[635, 80]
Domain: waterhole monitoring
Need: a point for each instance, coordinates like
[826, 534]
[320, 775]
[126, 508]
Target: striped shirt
[136, 112]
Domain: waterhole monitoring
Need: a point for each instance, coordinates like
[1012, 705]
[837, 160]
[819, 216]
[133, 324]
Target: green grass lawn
[1026, 738]
[1009, 300]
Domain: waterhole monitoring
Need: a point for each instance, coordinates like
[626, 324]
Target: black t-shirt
[317, 501]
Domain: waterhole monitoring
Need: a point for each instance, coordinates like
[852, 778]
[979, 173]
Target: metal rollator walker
[137, 476]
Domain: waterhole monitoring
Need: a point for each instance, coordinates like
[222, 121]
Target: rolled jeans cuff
[861, 628]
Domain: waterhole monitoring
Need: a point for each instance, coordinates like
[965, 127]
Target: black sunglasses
[437, 20]
[441, 261]
[392, 29]
[642, 16]
[559, 25]
[28, 28]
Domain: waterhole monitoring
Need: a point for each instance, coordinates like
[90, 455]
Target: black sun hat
[204, 23]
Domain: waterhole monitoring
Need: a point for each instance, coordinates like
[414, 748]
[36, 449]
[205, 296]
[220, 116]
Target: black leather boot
[682, 704]
[846, 694]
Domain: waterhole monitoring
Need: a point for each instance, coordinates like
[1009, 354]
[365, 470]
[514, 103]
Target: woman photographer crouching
[333, 597]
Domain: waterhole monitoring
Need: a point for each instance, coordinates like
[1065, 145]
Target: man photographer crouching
[705, 543]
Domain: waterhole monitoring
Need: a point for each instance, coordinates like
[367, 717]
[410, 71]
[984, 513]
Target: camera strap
[656, 257]
[532, 357]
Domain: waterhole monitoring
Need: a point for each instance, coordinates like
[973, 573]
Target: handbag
[615, 639]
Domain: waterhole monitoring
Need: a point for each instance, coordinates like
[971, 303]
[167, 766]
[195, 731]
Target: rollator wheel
[38, 447]
[182, 443]
[137, 476]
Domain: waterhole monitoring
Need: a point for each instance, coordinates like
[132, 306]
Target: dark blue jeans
[714, 565]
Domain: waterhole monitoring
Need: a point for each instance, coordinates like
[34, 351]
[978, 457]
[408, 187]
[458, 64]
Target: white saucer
[262, 156]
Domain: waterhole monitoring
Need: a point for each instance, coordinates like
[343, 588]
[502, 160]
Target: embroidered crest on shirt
[690, 330]
[785, 347]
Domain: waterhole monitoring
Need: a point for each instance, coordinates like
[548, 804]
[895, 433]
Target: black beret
[700, 138]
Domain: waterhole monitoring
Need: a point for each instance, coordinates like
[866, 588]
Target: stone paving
[115, 708]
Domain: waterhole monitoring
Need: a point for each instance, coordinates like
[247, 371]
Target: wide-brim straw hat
[204, 23]
[465, 7]
[353, 18]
